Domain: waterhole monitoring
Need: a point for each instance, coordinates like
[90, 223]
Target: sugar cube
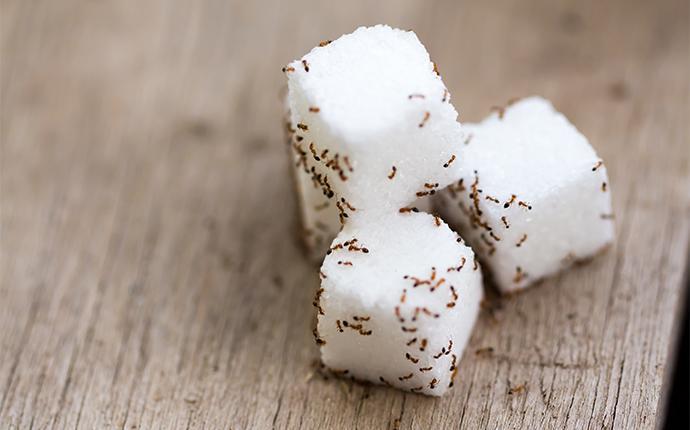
[374, 127]
[398, 302]
[532, 196]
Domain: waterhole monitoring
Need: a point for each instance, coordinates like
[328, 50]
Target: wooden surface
[150, 276]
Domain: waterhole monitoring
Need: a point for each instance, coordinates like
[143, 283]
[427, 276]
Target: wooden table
[150, 274]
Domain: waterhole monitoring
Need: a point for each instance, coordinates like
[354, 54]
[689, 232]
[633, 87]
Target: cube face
[398, 304]
[318, 217]
[318, 214]
[533, 196]
[374, 124]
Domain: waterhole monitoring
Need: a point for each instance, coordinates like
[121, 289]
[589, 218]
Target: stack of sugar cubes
[372, 131]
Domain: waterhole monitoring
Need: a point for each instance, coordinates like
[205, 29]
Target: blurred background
[149, 279]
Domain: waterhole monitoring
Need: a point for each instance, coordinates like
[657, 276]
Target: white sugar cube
[374, 127]
[398, 302]
[533, 196]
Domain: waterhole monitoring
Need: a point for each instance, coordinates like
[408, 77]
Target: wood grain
[149, 276]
